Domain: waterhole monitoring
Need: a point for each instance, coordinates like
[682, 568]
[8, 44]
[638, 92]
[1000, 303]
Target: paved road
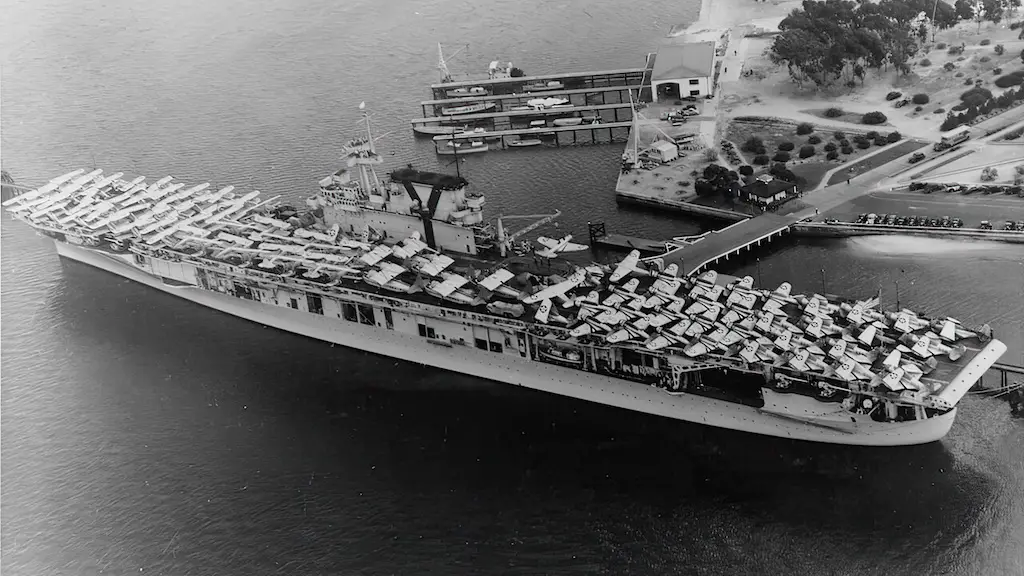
[972, 209]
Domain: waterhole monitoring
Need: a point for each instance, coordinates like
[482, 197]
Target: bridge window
[365, 314]
[349, 312]
[496, 347]
[388, 320]
[315, 304]
[481, 343]
[694, 82]
[293, 303]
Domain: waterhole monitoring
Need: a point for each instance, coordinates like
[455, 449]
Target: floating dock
[510, 115]
[600, 238]
[571, 80]
[617, 132]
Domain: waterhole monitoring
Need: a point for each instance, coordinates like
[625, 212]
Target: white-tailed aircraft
[929, 345]
[951, 330]
[558, 290]
[547, 314]
[450, 289]
[622, 294]
[386, 276]
[804, 361]
[552, 248]
[44, 189]
[629, 265]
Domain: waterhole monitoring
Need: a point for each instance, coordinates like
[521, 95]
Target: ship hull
[512, 369]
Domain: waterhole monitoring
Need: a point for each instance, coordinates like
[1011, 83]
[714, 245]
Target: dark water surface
[143, 434]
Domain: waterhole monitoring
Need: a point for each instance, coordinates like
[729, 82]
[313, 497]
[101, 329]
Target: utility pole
[935, 10]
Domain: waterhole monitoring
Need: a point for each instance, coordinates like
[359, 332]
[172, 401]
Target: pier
[617, 132]
[729, 241]
[571, 80]
[1005, 371]
[600, 238]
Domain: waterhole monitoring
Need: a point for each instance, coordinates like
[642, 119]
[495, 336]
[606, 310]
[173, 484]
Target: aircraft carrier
[407, 267]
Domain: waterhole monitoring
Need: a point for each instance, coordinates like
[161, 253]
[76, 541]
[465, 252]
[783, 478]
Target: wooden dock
[460, 119]
[599, 237]
[595, 79]
[617, 132]
[729, 241]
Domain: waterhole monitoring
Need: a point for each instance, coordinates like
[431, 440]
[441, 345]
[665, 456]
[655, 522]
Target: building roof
[664, 145]
[769, 189]
[695, 60]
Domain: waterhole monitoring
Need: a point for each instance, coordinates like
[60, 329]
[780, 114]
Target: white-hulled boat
[567, 121]
[468, 108]
[438, 129]
[453, 148]
[524, 142]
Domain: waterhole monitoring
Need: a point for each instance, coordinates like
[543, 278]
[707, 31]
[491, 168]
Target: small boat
[438, 129]
[538, 124]
[567, 121]
[461, 92]
[553, 85]
[524, 142]
[453, 148]
[481, 133]
[468, 108]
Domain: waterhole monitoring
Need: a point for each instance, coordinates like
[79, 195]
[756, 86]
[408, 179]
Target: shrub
[814, 139]
[806, 151]
[940, 46]
[834, 112]
[844, 142]
[880, 141]
[847, 150]
[804, 128]
[874, 118]
[953, 50]
[984, 59]
[920, 99]
[830, 147]
[863, 144]
[761, 159]
[893, 95]
[746, 170]
[1013, 136]
[752, 144]
[832, 155]
[976, 96]
[761, 150]
[1019, 169]
[839, 135]
[989, 174]
[960, 75]
[893, 137]
[948, 66]
[1011, 79]
[997, 71]
[918, 108]
[786, 146]
[1000, 49]
[985, 42]
[925, 62]
[781, 157]
[938, 111]
[869, 136]
[683, 183]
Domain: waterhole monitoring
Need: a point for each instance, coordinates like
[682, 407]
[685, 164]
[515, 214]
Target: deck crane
[505, 242]
[442, 66]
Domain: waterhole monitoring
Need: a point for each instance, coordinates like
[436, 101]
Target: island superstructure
[407, 268]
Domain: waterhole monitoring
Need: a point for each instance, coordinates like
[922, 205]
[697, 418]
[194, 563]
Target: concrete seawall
[848, 230]
[677, 206]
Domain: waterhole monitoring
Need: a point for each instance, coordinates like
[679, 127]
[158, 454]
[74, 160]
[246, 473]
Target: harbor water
[144, 435]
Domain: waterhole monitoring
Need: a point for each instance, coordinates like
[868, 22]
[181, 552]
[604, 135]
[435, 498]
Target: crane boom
[544, 219]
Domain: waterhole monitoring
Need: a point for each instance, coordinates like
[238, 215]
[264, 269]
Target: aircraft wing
[496, 279]
[389, 271]
[556, 290]
[451, 284]
[436, 265]
[573, 247]
[549, 243]
[376, 255]
[627, 265]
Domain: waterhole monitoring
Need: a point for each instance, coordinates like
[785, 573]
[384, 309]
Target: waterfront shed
[683, 71]
[664, 151]
[766, 190]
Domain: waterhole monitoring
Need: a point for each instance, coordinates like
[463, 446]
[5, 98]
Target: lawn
[774, 132]
[892, 153]
[847, 117]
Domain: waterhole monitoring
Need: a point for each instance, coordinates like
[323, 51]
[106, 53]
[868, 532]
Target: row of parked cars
[928, 188]
[928, 222]
[918, 221]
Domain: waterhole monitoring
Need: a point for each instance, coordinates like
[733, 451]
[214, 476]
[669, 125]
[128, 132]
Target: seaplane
[705, 309]
[743, 299]
[558, 290]
[44, 189]
[818, 305]
[840, 349]
[849, 370]
[273, 222]
[497, 283]
[432, 265]
[629, 265]
[951, 330]
[754, 352]
[910, 365]
[818, 327]
[664, 288]
[711, 293]
[635, 330]
[411, 246]
[552, 248]
[451, 289]
[386, 276]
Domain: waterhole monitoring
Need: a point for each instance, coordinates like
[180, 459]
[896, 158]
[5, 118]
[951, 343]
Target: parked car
[912, 221]
[1020, 225]
[903, 103]
[947, 222]
[831, 221]
[901, 221]
[985, 225]
[890, 220]
[917, 157]
[958, 223]
[934, 223]
[862, 218]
